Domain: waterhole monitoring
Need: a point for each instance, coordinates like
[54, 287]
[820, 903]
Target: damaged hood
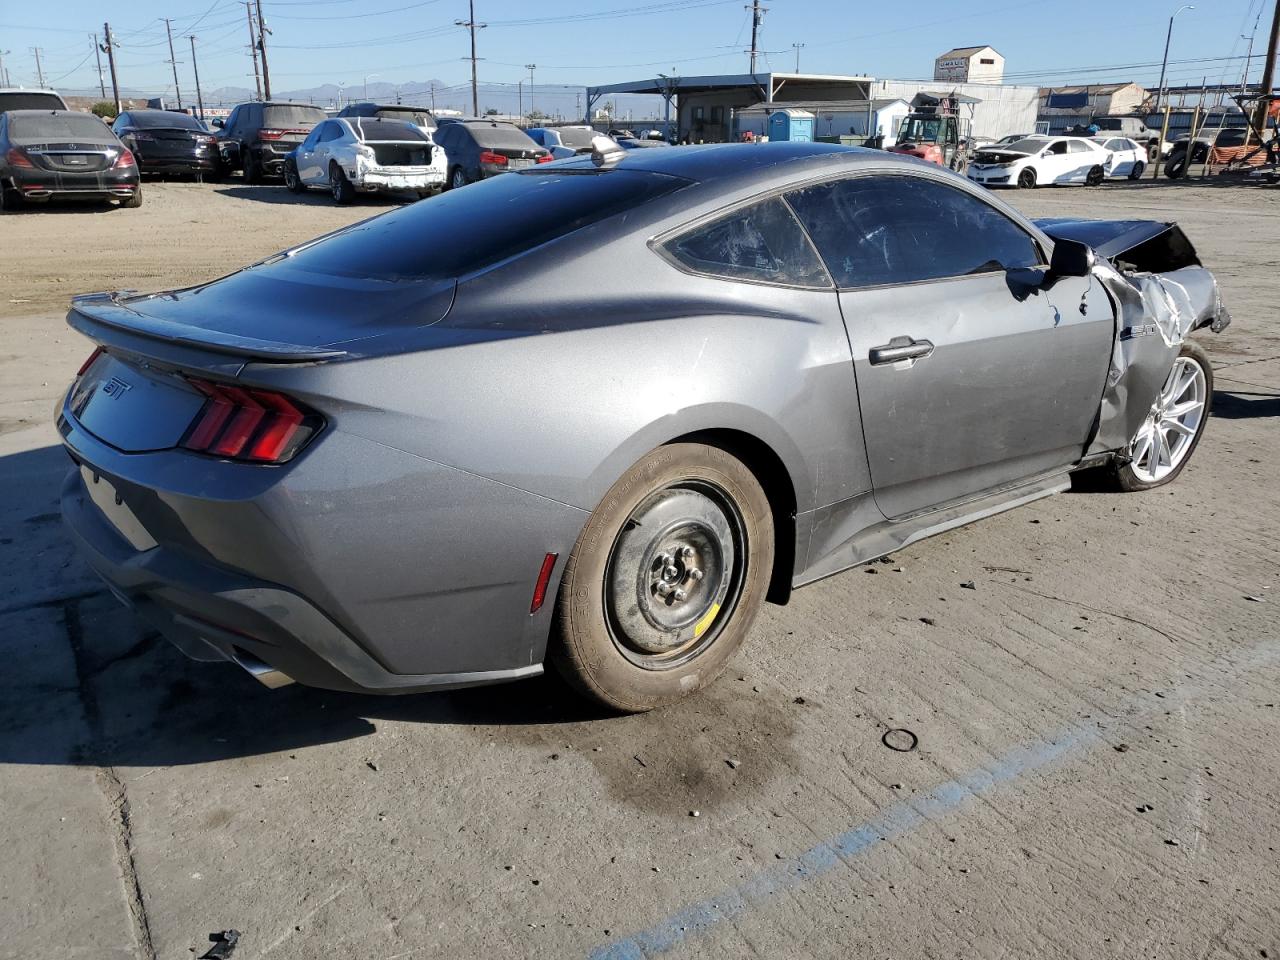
[1143, 245]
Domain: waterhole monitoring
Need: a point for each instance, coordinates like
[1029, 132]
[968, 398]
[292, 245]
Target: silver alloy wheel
[335, 183]
[675, 574]
[1166, 436]
[290, 178]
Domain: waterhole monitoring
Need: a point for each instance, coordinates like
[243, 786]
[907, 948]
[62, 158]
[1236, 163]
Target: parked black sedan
[164, 141]
[479, 149]
[62, 153]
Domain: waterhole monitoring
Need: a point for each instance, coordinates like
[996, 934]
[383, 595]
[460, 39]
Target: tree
[537, 115]
[103, 108]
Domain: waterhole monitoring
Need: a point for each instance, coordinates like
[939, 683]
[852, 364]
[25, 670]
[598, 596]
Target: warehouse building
[969, 65]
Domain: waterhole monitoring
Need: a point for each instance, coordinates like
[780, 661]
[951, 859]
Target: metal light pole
[1165, 63]
[366, 83]
[531, 67]
[797, 46]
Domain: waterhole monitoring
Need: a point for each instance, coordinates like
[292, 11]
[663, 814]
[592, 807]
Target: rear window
[376, 130]
[464, 230]
[291, 116]
[511, 137]
[575, 138]
[24, 100]
[418, 117]
[165, 119]
[59, 127]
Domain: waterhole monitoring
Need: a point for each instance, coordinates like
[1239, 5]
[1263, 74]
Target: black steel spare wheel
[665, 580]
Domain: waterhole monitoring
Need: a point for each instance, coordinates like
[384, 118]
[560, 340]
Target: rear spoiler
[96, 310]
[1145, 246]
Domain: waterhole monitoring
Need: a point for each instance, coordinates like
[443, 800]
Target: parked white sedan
[1127, 158]
[1040, 160]
[350, 155]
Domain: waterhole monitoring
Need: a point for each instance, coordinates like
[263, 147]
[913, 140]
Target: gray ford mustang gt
[595, 413]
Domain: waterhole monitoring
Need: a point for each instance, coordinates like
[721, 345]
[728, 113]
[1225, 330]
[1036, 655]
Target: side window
[312, 139]
[1231, 138]
[329, 131]
[1078, 146]
[444, 135]
[1059, 147]
[232, 118]
[762, 242]
[881, 230]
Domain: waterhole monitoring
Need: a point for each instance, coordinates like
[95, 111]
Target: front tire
[1027, 179]
[1095, 177]
[291, 178]
[665, 580]
[1172, 431]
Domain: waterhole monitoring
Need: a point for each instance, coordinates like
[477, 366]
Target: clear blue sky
[603, 41]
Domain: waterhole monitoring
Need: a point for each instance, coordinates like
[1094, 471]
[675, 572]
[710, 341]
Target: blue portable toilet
[794, 125]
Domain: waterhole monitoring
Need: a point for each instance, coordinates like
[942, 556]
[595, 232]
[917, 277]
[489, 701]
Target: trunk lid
[270, 313]
[134, 406]
[72, 157]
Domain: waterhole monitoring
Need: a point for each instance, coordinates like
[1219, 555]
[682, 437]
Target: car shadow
[277, 193]
[1245, 405]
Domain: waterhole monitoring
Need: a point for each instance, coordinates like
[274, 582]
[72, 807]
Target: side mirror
[217, 122]
[1070, 259]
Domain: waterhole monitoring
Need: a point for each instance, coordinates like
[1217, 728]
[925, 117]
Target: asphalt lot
[1098, 769]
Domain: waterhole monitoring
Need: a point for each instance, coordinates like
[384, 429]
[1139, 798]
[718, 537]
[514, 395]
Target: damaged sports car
[594, 413]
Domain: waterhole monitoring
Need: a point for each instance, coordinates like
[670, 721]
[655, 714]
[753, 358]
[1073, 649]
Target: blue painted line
[899, 819]
[908, 814]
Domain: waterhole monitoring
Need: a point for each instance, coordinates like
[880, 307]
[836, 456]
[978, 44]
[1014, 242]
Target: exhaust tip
[264, 673]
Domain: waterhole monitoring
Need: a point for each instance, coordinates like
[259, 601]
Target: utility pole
[531, 67]
[39, 69]
[1269, 71]
[797, 46]
[4, 77]
[1248, 57]
[433, 98]
[173, 61]
[262, 48]
[253, 50]
[470, 24]
[757, 15]
[109, 48]
[196, 67]
[97, 52]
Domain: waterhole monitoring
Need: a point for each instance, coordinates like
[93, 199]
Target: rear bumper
[386, 179]
[178, 164]
[414, 577]
[40, 184]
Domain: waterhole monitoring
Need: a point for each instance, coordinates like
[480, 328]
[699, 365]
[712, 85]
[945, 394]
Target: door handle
[900, 348]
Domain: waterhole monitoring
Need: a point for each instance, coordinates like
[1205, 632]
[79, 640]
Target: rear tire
[135, 201]
[666, 579]
[10, 200]
[1027, 179]
[341, 188]
[1190, 384]
[1136, 172]
[252, 171]
[458, 179]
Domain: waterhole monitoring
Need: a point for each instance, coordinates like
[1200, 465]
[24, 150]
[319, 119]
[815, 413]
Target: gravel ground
[1098, 722]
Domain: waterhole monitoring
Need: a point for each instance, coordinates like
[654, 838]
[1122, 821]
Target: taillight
[124, 161]
[97, 352]
[17, 157]
[239, 423]
[268, 134]
[547, 158]
[494, 159]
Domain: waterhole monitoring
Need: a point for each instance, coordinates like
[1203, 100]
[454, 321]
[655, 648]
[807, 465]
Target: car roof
[713, 161]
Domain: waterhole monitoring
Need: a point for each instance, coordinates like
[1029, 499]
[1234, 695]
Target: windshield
[30, 100]
[377, 129]
[291, 115]
[501, 136]
[165, 119]
[921, 129]
[464, 230]
[419, 117]
[576, 136]
[59, 128]
[1024, 146]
